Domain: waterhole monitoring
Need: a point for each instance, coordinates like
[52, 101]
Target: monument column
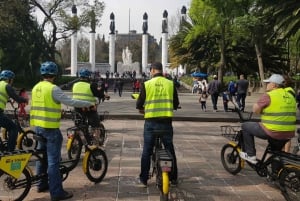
[112, 40]
[164, 54]
[74, 46]
[145, 43]
[92, 41]
[183, 19]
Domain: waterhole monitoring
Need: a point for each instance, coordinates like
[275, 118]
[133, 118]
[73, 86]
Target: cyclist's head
[84, 73]
[7, 75]
[49, 69]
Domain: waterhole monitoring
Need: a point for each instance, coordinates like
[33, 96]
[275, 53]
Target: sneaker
[66, 195]
[141, 183]
[251, 159]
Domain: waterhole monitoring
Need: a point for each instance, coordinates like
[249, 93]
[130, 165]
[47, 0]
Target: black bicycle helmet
[49, 68]
[7, 74]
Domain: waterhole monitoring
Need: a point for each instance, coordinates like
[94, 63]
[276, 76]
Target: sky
[154, 9]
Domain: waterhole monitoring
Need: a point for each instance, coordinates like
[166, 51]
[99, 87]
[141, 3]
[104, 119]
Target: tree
[21, 40]
[59, 23]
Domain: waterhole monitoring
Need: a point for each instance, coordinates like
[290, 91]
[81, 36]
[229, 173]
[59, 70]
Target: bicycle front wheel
[96, 165]
[289, 180]
[26, 140]
[164, 195]
[74, 151]
[231, 159]
[15, 189]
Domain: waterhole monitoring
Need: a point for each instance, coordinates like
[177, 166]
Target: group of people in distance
[157, 99]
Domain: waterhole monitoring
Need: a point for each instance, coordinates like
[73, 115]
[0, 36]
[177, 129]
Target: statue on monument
[145, 23]
[112, 23]
[164, 22]
[127, 56]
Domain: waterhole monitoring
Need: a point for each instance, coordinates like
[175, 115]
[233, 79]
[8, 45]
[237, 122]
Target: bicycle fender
[84, 161]
[19, 140]
[239, 150]
[69, 143]
[85, 158]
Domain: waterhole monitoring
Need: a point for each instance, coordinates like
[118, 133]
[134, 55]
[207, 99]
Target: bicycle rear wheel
[164, 194]
[26, 140]
[14, 189]
[289, 180]
[96, 165]
[231, 159]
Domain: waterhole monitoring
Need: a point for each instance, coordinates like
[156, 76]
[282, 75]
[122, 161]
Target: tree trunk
[260, 63]
[222, 50]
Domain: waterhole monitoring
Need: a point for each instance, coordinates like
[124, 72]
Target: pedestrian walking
[213, 89]
[202, 100]
[242, 89]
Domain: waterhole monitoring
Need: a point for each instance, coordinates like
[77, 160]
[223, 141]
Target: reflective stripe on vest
[3, 95]
[82, 91]
[280, 115]
[44, 111]
[159, 98]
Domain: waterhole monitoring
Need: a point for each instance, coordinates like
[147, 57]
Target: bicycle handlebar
[240, 113]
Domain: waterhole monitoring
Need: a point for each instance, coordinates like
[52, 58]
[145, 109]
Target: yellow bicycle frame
[239, 150]
[14, 164]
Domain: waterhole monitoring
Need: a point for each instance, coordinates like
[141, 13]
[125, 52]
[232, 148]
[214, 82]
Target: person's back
[157, 100]
[242, 89]
[277, 108]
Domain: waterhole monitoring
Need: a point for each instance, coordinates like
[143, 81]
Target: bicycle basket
[230, 132]
[103, 115]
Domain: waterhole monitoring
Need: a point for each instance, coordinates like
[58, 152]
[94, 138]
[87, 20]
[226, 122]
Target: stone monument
[127, 64]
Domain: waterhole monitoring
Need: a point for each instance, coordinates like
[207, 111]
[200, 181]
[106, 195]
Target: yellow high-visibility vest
[44, 111]
[159, 98]
[280, 115]
[82, 91]
[3, 95]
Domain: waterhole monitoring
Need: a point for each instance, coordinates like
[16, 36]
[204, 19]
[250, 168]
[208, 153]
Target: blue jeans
[149, 139]
[12, 130]
[53, 146]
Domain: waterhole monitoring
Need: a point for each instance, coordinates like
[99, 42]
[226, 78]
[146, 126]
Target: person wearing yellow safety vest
[45, 115]
[278, 117]
[6, 92]
[82, 90]
[157, 100]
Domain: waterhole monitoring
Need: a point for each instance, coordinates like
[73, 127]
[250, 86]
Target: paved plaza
[198, 142]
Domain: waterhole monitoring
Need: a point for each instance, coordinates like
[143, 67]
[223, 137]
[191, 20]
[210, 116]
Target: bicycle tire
[97, 164]
[15, 189]
[26, 140]
[164, 194]
[231, 159]
[75, 148]
[289, 180]
[102, 137]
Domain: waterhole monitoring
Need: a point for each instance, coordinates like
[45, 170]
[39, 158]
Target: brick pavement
[201, 174]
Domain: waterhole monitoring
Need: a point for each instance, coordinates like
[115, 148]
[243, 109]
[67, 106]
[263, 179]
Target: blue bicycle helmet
[49, 68]
[7, 74]
[84, 73]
